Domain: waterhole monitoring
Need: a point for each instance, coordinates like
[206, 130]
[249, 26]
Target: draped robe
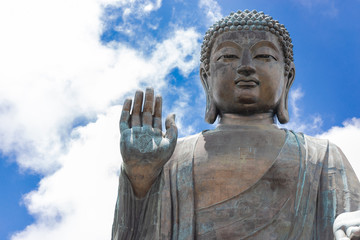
[309, 184]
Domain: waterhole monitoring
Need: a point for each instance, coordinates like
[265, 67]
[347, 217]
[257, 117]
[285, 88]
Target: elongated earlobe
[211, 112]
[282, 109]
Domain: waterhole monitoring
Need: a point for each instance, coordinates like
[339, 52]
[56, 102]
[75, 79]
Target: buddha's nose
[245, 66]
[246, 70]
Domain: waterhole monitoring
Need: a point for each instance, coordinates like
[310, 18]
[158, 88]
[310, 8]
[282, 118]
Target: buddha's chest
[226, 165]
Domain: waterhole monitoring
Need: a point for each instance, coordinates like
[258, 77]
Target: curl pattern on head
[248, 20]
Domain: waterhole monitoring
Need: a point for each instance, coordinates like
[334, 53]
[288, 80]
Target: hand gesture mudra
[347, 226]
[144, 147]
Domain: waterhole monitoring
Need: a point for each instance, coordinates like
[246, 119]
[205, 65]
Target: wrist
[141, 178]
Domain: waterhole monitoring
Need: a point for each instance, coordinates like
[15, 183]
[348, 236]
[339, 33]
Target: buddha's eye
[227, 57]
[266, 57]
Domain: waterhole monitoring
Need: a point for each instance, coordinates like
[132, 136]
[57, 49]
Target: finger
[135, 115]
[158, 112]
[125, 115]
[353, 231]
[148, 107]
[171, 129]
[340, 235]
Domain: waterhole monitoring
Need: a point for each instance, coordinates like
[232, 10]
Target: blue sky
[67, 66]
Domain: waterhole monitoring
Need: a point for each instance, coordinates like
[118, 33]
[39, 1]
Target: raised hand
[347, 226]
[144, 147]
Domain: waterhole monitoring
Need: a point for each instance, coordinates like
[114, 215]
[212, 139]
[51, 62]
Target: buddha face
[246, 74]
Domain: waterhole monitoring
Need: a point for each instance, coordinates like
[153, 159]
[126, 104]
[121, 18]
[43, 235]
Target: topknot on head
[247, 20]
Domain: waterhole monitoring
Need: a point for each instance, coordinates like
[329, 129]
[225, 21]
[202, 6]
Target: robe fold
[309, 184]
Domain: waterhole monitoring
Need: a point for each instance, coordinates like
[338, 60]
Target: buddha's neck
[241, 120]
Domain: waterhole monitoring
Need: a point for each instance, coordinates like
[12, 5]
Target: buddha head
[247, 66]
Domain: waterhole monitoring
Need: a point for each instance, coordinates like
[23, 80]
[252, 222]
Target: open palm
[144, 147]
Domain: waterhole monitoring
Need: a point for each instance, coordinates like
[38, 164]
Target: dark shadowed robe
[309, 184]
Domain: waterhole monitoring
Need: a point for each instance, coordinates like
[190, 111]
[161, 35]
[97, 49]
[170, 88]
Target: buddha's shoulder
[313, 145]
[188, 140]
[316, 143]
[187, 143]
[320, 148]
[185, 147]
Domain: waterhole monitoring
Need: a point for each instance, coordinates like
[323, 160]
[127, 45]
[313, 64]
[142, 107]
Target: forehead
[246, 39]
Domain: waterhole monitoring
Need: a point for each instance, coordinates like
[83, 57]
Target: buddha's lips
[252, 82]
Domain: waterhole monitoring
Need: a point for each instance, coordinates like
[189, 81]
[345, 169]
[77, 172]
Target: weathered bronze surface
[247, 179]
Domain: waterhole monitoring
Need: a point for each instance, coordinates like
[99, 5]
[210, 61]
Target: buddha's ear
[282, 109]
[211, 112]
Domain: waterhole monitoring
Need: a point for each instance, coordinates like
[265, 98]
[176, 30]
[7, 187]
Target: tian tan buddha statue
[247, 179]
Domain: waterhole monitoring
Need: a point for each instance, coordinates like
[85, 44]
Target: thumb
[171, 129]
[340, 235]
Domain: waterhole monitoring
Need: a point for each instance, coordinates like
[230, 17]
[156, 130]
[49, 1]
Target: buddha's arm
[134, 217]
[347, 224]
[144, 148]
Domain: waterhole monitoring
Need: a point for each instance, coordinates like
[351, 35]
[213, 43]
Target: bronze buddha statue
[246, 179]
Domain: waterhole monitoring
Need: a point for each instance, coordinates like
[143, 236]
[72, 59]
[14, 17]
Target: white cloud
[54, 71]
[77, 201]
[134, 10]
[151, 6]
[180, 50]
[51, 64]
[212, 10]
[347, 137]
[295, 95]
